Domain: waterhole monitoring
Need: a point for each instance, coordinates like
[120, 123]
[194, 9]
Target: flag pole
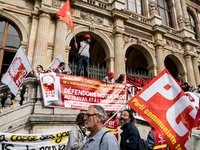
[74, 36]
[114, 114]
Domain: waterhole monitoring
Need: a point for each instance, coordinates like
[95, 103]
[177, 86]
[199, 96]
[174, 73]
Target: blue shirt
[109, 141]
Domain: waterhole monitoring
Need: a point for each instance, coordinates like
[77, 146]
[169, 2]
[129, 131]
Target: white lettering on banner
[111, 123]
[50, 93]
[165, 85]
[93, 94]
[79, 92]
[173, 113]
[21, 78]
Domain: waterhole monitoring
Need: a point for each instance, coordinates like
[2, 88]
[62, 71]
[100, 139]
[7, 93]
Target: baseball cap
[111, 75]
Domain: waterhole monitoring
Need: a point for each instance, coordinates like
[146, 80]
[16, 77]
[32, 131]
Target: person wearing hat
[83, 49]
[109, 78]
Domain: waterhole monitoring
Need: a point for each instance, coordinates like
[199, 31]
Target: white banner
[56, 62]
[54, 141]
[17, 71]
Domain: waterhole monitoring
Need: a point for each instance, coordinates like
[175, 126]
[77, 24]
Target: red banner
[164, 105]
[78, 92]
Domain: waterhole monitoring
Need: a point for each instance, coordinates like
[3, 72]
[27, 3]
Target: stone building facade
[141, 35]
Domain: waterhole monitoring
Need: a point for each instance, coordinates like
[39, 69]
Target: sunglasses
[87, 115]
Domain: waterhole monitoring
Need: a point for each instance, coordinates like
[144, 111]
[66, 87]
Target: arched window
[134, 5]
[192, 23]
[165, 12]
[9, 43]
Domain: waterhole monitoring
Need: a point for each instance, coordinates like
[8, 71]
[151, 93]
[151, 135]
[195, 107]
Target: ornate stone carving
[56, 3]
[187, 22]
[172, 44]
[180, 20]
[91, 18]
[139, 41]
[198, 10]
[153, 9]
[92, 28]
[128, 39]
[110, 23]
[150, 45]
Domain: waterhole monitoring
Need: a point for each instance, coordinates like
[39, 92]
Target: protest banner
[78, 92]
[17, 71]
[55, 141]
[56, 62]
[164, 105]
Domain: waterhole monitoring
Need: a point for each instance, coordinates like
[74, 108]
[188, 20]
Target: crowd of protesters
[95, 118]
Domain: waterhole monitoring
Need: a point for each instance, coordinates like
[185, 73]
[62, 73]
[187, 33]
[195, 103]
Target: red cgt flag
[66, 15]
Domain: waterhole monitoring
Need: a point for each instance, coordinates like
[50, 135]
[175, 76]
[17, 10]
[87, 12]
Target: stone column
[179, 13]
[196, 70]
[190, 71]
[41, 40]
[159, 58]
[152, 71]
[32, 38]
[110, 63]
[119, 55]
[60, 35]
[185, 14]
[66, 54]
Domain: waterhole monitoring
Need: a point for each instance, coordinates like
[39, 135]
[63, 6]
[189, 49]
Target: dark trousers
[82, 62]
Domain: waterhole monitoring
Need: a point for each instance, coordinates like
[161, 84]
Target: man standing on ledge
[83, 49]
[99, 138]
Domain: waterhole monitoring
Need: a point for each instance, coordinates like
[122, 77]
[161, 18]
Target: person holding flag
[17, 71]
[83, 49]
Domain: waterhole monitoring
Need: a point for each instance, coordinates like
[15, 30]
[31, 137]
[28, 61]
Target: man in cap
[109, 78]
[83, 49]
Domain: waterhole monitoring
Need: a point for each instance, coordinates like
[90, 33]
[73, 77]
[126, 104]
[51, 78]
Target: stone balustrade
[31, 116]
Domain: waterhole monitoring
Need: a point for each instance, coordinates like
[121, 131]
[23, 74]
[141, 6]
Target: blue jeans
[82, 62]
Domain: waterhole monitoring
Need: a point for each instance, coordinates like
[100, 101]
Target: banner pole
[114, 114]
[74, 36]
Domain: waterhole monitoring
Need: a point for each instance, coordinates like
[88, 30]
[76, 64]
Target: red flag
[164, 105]
[66, 15]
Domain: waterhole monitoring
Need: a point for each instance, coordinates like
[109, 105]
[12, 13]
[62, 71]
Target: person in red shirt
[155, 140]
[113, 124]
